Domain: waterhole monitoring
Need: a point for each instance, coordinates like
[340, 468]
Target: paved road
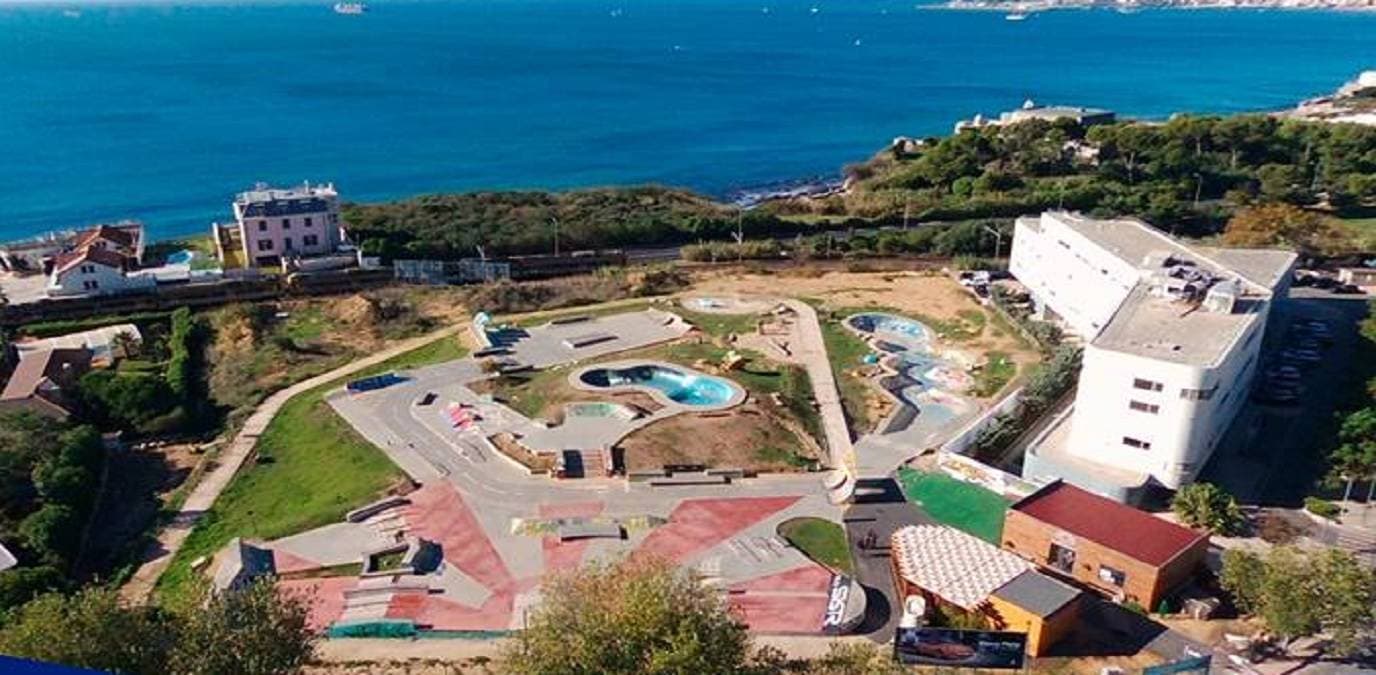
[390, 419]
[227, 464]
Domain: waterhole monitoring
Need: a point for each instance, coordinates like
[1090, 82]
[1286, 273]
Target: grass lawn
[961, 505]
[845, 351]
[998, 371]
[1364, 229]
[821, 540]
[720, 325]
[315, 468]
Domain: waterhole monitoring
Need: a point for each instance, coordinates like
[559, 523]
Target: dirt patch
[544, 394]
[745, 437]
[507, 444]
[260, 348]
[920, 294]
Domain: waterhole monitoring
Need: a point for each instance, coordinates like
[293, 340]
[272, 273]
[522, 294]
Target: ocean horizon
[162, 111]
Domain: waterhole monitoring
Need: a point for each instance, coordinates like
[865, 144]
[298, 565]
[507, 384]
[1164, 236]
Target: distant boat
[350, 8]
[72, 13]
[1016, 16]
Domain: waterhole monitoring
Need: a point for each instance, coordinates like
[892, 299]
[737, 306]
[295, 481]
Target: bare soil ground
[744, 437]
[929, 294]
[139, 483]
[259, 349]
[544, 394]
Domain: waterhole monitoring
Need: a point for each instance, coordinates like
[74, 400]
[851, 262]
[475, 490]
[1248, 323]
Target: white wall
[1183, 431]
[108, 280]
[1068, 274]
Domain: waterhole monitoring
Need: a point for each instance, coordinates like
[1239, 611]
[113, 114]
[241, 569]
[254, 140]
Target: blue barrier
[375, 382]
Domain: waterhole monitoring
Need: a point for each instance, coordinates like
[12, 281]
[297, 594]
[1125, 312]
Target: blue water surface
[688, 389]
[162, 112]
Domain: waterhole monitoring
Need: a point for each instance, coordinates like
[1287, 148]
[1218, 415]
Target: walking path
[811, 350]
[203, 496]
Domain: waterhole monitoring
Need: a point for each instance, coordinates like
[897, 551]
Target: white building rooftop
[1192, 302]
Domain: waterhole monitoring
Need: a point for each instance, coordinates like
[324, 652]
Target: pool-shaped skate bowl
[894, 330]
[670, 384]
[921, 379]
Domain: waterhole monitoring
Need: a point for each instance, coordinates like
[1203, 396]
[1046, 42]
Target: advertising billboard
[962, 648]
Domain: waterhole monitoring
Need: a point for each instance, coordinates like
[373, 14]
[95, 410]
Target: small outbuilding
[948, 567]
[1127, 554]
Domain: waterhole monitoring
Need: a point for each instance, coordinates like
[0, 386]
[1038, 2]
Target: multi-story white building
[1173, 335]
[271, 224]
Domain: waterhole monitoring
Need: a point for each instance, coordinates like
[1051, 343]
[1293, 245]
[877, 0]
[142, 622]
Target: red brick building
[1127, 554]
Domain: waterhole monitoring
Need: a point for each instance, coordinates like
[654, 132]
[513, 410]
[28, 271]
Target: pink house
[273, 224]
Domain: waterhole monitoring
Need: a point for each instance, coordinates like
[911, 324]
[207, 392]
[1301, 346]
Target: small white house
[94, 270]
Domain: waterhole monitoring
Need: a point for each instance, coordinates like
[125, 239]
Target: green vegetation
[448, 226]
[390, 560]
[846, 351]
[720, 325]
[312, 467]
[260, 348]
[45, 329]
[776, 455]
[999, 369]
[51, 477]
[1322, 507]
[822, 540]
[647, 618]
[1186, 175]
[1298, 594]
[965, 241]
[256, 630]
[953, 502]
[1047, 383]
[1207, 506]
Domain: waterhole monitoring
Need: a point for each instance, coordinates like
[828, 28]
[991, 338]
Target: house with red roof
[124, 238]
[1127, 554]
[95, 269]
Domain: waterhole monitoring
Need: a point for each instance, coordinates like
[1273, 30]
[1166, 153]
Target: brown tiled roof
[95, 254]
[121, 236]
[1136, 534]
[34, 368]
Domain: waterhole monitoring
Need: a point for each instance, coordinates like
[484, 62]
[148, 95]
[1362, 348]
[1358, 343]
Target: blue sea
[163, 112]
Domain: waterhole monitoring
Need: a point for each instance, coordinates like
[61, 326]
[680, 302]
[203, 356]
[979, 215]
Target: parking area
[1315, 365]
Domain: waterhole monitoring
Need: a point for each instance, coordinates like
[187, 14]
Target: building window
[1136, 443]
[310, 240]
[1109, 575]
[1198, 394]
[286, 223]
[1144, 407]
[1061, 558]
[307, 221]
[262, 226]
[88, 269]
[1146, 385]
[264, 244]
[286, 243]
[90, 285]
